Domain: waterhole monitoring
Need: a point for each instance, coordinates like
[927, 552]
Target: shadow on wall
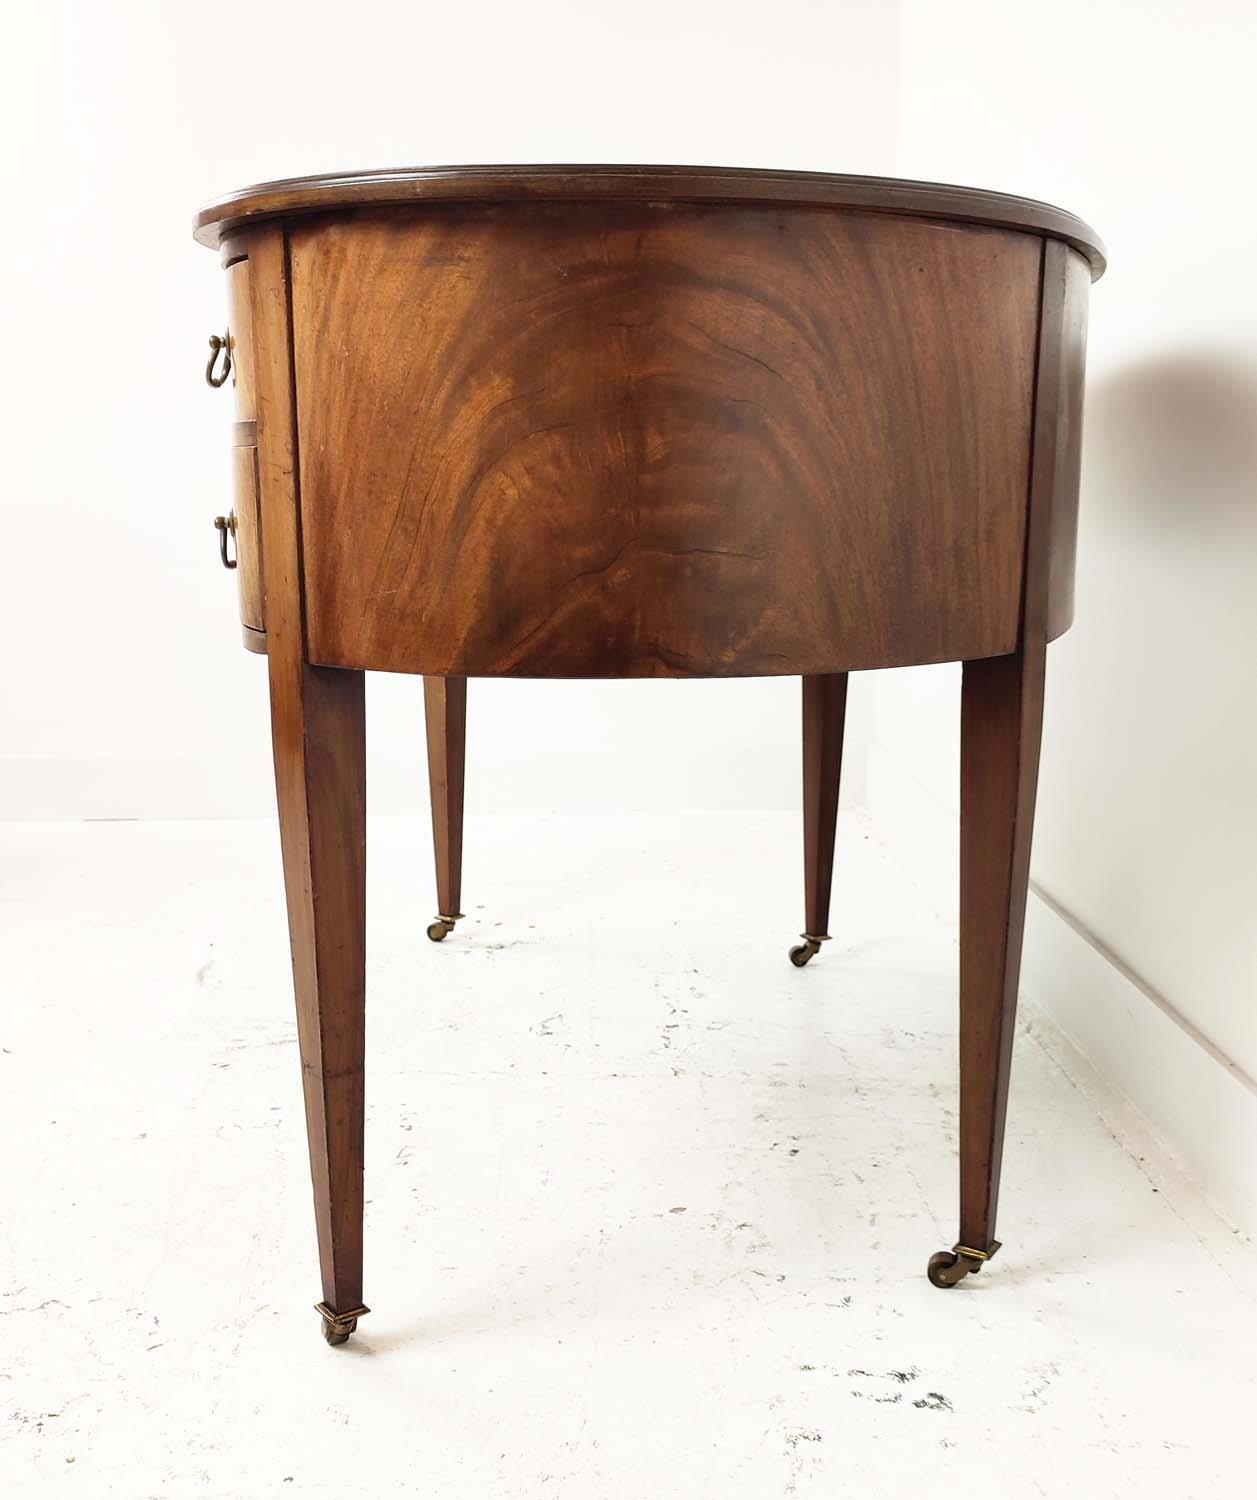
[1146, 809]
[1171, 442]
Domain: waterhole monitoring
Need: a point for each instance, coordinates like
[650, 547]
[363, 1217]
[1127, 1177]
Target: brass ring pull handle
[225, 524]
[219, 345]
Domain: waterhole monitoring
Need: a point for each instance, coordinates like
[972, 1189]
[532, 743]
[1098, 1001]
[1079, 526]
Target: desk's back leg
[824, 712]
[445, 705]
[1001, 720]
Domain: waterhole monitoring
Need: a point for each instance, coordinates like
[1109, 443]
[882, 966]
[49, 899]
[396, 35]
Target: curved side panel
[619, 440]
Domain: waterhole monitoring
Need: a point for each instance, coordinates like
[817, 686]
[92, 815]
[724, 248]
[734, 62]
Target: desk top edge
[399, 186]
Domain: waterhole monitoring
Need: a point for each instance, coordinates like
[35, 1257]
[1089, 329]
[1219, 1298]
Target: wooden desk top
[399, 186]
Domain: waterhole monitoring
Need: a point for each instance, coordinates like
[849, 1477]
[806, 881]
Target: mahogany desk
[646, 422]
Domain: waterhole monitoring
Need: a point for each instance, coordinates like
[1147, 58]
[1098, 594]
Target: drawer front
[240, 314]
[248, 538]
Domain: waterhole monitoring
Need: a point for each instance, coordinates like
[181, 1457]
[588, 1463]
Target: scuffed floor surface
[648, 1208]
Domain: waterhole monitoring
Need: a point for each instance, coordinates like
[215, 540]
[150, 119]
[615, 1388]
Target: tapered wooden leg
[824, 712]
[445, 705]
[318, 729]
[1001, 721]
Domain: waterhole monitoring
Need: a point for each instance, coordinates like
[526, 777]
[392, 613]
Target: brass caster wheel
[950, 1267]
[338, 1326]
[439, 930]
[807, 950]
[946, 1268]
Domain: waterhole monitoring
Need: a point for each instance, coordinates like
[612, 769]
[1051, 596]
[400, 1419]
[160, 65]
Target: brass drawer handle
[219, 345]
[225, 524]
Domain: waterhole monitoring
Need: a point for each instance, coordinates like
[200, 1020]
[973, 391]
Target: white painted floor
[648, 1209]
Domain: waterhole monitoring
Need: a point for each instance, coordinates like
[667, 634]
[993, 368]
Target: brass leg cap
[439, 930]
[338, 1326]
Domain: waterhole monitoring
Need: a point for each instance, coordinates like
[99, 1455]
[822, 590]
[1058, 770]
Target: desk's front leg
[1001, 718]
[318, 729]
[318, 732]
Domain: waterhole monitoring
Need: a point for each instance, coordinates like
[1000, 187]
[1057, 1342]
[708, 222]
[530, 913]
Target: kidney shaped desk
[646, 422]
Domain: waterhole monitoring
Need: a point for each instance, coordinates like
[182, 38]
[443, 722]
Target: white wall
[126, 693]
[126, 690]
[1140, 119]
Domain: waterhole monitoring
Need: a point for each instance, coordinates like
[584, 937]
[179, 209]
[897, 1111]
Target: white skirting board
[1149, 1072]
[1199, 1103]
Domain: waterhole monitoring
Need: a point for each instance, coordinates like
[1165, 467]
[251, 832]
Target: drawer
[240, 314]
[241, 531]
[248, 537]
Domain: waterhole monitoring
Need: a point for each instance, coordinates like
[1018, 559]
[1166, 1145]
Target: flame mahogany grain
[629, 441]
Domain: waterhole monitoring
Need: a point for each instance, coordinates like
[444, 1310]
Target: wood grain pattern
[618, 441]
[445, 711]
[824, 716]
[406, 186]
[318, 738]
